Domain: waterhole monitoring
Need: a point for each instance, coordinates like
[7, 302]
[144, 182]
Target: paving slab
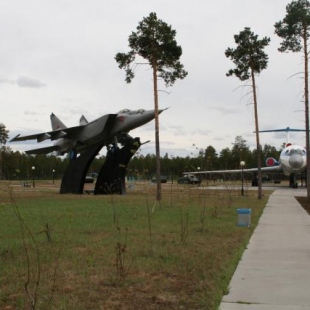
[274, 271]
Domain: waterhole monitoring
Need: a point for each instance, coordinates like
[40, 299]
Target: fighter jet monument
[84, 142]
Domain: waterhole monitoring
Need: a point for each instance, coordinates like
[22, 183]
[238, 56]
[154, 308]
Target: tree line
[207, 159]
[17, 165]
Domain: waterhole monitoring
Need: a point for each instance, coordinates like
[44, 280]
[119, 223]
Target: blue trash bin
[244, 217]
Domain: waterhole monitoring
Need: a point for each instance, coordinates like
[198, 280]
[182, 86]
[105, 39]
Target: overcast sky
[58, 56]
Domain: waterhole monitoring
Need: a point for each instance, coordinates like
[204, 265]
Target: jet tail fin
[83, 120]
[57, 124]
[287, 130]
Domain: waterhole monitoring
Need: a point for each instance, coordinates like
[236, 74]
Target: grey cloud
[24, 81]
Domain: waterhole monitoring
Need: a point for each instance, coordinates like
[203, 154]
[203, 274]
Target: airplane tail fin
[57, 124]
[83, 120]
[287, 130]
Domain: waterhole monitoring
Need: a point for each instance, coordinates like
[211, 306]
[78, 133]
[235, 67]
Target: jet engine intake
[271, 162]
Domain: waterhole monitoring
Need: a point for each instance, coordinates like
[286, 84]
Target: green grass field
[120, 252]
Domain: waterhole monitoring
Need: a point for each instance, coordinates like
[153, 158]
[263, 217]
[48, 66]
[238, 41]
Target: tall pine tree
[154, 41]
[250, 59]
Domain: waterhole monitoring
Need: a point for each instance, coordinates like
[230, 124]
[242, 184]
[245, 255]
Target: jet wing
[263, 169]
[69, 133]
[43, 150]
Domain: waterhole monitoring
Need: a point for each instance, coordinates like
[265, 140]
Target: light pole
[53, 176]
[33, 183]
[242, 164]
[198, 169]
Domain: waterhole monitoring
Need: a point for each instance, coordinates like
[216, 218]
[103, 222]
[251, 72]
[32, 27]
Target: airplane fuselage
[293, 159]
[103, 131]
[95, 132]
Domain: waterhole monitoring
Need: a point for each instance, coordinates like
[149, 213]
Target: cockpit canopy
[294, 150]
[130, 112]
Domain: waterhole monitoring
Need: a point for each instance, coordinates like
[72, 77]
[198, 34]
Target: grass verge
[121, 252]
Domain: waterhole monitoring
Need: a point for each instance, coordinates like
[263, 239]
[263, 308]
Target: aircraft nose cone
[296, 161]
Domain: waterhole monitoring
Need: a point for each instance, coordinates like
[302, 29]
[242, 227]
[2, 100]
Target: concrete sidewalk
[274, 271]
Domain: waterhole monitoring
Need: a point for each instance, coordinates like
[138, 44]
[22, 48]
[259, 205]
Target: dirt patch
[305, 203]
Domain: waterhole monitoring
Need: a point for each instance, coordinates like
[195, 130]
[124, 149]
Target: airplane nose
[296, 161]
[160, 110]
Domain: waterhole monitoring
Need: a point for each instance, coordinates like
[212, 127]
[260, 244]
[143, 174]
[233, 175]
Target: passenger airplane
[107, 129]
[292, 160]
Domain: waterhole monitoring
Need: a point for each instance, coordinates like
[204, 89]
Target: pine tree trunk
[158, 175]
[258, 147]
[307, 112]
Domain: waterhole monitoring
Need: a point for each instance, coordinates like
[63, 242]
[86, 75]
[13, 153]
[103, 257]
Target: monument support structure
[111, 178]
[74, 177]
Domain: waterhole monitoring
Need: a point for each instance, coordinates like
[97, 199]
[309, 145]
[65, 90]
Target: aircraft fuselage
[293, 159]
[105, 130]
